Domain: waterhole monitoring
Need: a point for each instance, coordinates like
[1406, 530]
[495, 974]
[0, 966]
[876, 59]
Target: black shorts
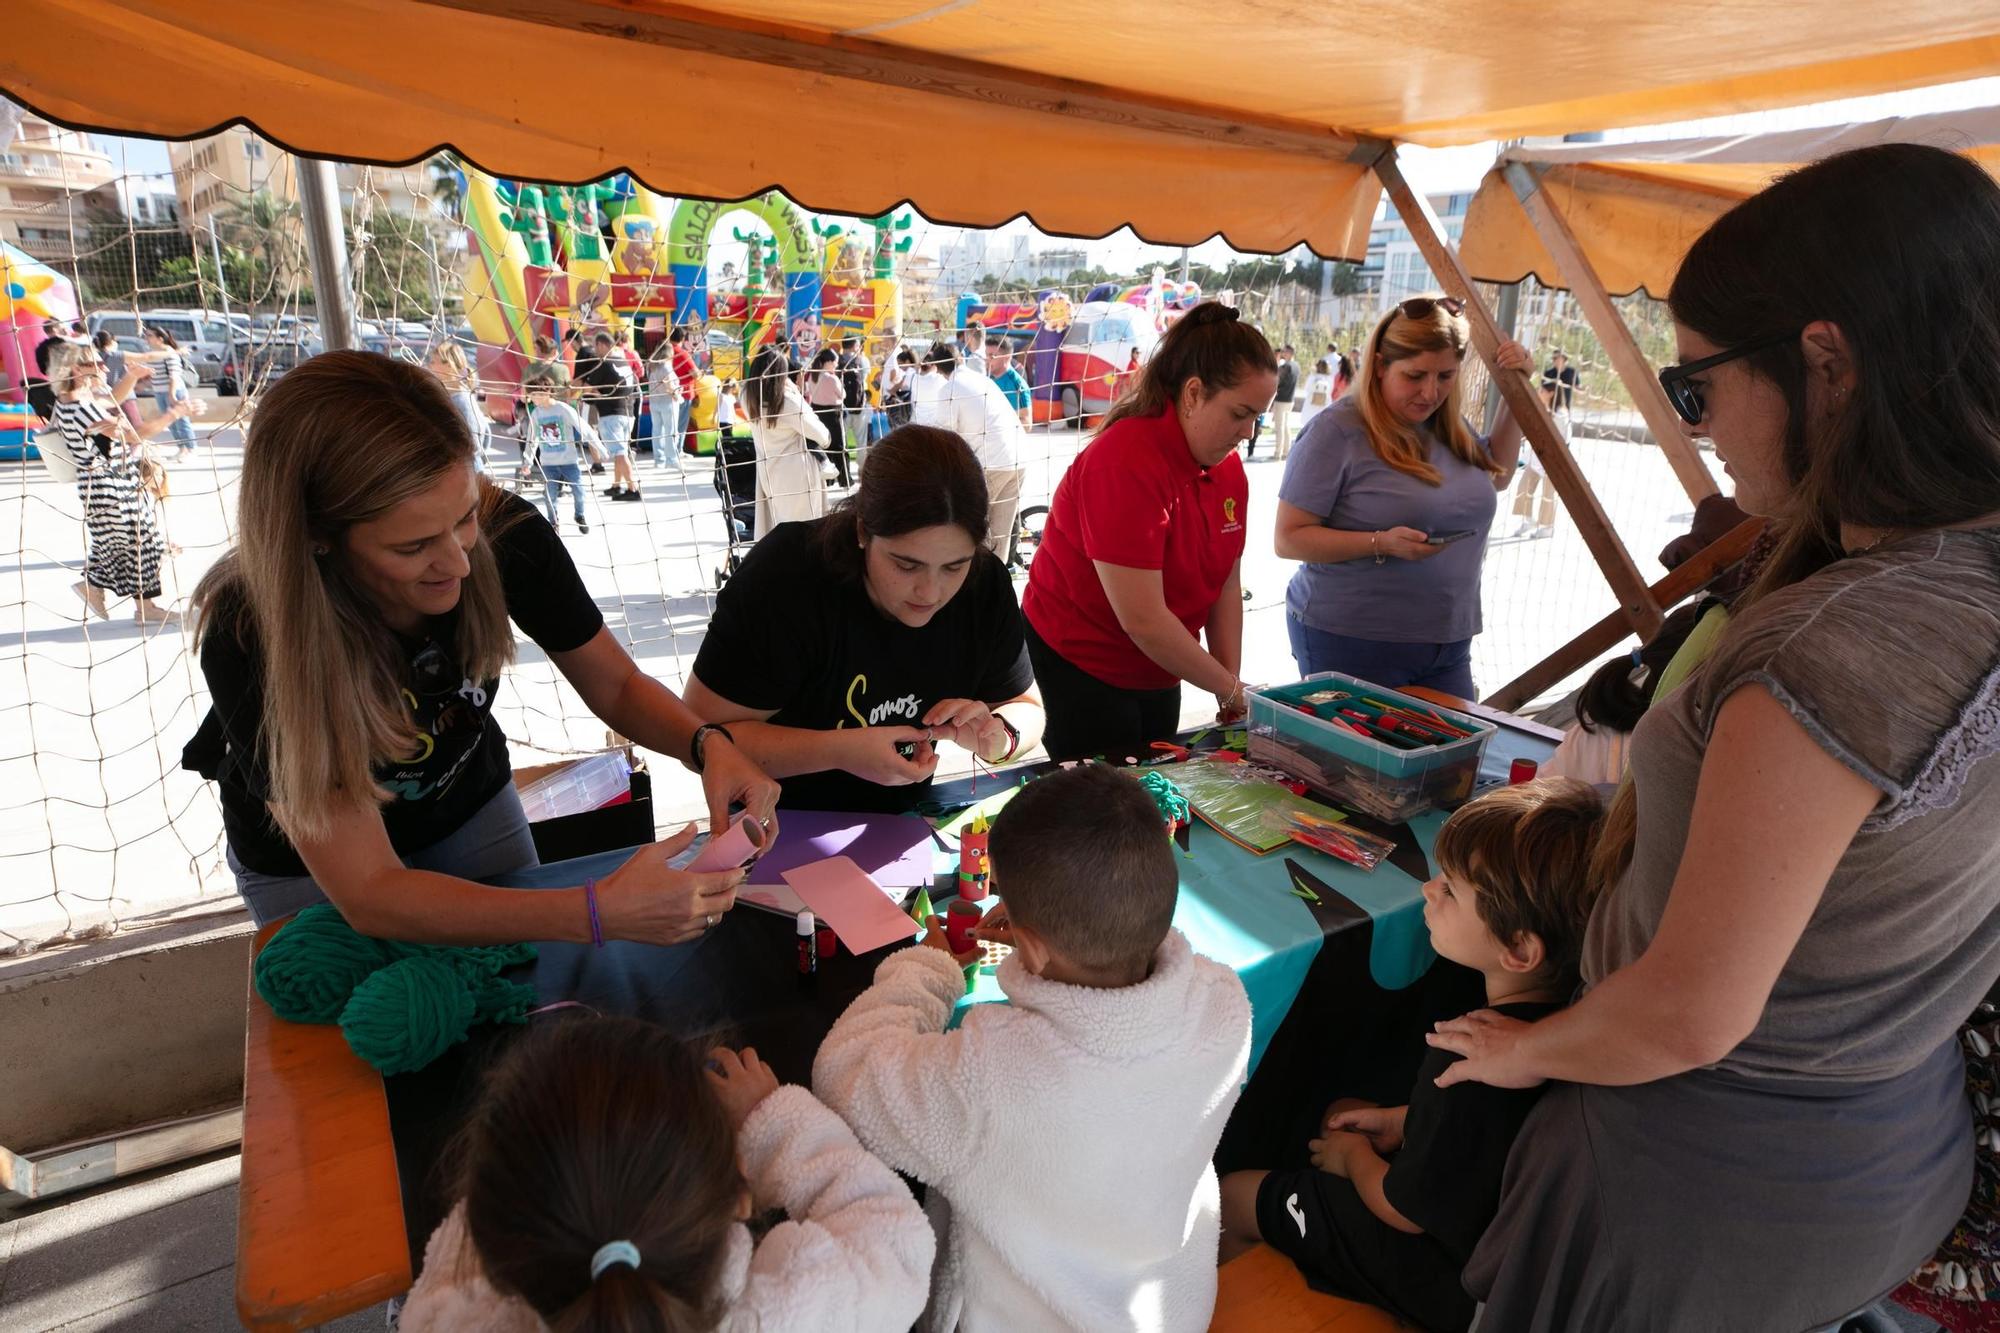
[1320, 1223]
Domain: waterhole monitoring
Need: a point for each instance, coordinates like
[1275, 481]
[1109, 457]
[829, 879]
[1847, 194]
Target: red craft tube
[959, 920]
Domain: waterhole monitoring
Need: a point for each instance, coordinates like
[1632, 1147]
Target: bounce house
[1075, 354]
[30, 292]
[614, 253]
[545, 256]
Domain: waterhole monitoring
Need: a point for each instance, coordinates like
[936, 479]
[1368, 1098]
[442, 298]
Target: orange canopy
[1635, 208]
[1181, 119]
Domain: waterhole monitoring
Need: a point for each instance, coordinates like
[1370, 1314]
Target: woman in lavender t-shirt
[1387, 499]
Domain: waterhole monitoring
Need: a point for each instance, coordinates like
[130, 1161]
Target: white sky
[1433, 171]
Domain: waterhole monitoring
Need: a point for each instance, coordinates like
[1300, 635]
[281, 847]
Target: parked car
[256, 363]
[204, 338]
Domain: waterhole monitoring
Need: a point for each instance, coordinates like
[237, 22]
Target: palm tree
[447, 186]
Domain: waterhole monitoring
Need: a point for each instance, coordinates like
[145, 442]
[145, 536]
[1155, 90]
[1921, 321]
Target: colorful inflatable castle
[30, 292]
[614, 253]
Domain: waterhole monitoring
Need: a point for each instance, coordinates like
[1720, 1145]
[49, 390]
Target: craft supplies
[1376, 751]
[1336, 837]
[1522, 770]
[399, 1005]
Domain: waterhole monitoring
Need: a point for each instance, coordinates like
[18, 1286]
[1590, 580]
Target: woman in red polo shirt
[1139, 561]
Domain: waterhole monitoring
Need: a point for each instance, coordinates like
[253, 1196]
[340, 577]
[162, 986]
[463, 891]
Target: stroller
[736, 483]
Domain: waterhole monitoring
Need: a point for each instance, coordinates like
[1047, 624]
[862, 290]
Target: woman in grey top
[1387, 500]
[1756, 1116]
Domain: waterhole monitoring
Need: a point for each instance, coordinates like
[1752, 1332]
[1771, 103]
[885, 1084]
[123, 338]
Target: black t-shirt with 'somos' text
[789, 635]
[461, 760]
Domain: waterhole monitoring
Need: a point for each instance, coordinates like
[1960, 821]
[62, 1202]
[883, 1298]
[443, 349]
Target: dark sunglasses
[1421, 307]
[1686, 398]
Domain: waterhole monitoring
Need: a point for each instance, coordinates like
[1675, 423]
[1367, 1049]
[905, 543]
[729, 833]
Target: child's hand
[1382, 1126]
[741, 1082]
[1330, 1153]
[996, 926]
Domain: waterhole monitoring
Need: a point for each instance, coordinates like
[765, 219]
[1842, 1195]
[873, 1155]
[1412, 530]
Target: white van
[204, 339]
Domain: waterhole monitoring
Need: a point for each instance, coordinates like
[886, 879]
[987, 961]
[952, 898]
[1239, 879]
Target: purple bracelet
[590, 897]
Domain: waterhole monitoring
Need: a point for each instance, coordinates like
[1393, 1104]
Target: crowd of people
[1715, 1081]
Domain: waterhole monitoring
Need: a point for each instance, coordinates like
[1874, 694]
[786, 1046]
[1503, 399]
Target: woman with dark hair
[824, 393]
[1141, 555]
[843, 649]
[606, 1179]
[352, 643]
[170, 382]
[1757, 1114]
[790, 485]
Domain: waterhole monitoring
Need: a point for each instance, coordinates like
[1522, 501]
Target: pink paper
[840, 893]
[727, 852]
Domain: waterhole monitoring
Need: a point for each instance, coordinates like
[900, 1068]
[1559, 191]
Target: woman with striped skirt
[126, 546]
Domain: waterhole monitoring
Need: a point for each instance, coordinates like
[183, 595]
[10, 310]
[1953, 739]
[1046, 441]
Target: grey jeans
[495, 841]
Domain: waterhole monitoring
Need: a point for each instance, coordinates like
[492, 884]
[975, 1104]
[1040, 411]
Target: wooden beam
[1619, 344]
[1635, 603]
[861, 58]
[1685, 579]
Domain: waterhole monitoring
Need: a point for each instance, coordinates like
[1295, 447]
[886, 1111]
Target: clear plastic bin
[1359, 772]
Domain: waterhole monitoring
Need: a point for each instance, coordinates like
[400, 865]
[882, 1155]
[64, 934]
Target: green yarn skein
[408, 1014]
[400, 1005]
[310, 967]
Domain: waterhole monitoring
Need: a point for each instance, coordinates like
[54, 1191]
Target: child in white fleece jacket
[1069, 1132]
[602, 1184]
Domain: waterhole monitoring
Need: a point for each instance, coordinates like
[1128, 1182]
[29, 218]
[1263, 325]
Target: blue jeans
[668, 422]
[556, 475]
[1438, 666]
[495, 841]
[182, 429]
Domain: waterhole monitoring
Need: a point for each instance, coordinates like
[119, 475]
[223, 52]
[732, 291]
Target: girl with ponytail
[605, 1181]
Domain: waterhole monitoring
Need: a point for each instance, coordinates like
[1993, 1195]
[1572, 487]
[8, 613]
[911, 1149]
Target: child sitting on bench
[1401, 1193]
[1069, 1133]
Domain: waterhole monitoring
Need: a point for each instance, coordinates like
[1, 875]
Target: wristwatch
[700, 739]
[1013, 738]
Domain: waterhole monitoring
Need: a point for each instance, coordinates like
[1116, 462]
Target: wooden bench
[319, 1221]
[1261, 1292]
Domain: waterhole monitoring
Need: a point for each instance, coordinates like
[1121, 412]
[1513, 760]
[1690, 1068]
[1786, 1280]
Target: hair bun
[1211, 312]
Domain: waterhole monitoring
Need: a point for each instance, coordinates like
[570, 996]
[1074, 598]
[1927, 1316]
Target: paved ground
[98, 822]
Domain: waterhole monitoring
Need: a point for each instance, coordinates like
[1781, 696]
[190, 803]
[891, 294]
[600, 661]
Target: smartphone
[1447, 538]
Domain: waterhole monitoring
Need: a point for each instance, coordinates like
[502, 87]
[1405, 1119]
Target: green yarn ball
[408, 1014]
[309, 969]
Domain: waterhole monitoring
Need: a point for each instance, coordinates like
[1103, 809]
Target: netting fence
[100, 826]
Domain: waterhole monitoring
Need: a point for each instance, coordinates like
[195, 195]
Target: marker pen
[808, 945]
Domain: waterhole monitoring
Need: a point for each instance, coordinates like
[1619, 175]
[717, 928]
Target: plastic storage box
[1364, 774]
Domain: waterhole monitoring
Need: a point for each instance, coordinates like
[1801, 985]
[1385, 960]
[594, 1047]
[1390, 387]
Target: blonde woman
[352, 643]
[449, 363]
[126, 545]
[1387, 500]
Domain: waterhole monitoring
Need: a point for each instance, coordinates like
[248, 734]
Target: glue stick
[808, 945]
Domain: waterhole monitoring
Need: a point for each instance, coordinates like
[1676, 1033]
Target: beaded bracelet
[590, 897]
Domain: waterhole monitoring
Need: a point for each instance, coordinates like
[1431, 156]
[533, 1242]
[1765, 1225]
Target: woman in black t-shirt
[352, 643]
[885, 624]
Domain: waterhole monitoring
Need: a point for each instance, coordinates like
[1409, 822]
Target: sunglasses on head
[1686, 397]
[1421, 307]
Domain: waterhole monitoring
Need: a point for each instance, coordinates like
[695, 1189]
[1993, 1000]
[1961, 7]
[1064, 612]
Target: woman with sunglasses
[352, 643]
[1387, 500]
[1757, 1115]
[126, 545]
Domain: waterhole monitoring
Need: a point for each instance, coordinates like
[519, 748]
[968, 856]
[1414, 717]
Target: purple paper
[895, 851]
